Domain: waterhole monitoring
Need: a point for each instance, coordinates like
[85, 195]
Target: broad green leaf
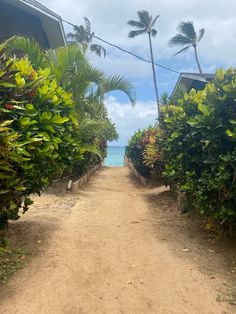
[3, 192]
[230, 133]
[92, 149]
[204, 109]
[29, 107]
[46, 115]
[59, 120]
[175, 134]
[6, 84]
[27, 121]
[6, 123]
[45, 136]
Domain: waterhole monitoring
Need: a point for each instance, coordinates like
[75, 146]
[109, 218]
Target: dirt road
[103, 256]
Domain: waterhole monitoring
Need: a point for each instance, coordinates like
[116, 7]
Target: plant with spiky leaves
[145, 25]
[187, 38]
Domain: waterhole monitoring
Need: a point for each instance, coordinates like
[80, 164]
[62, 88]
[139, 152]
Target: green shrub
[199, 147]
[38, 133]
[144, 153]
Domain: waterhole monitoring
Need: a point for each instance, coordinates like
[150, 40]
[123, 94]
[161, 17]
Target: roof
[51, 22]
[42, 7]
[193, 80]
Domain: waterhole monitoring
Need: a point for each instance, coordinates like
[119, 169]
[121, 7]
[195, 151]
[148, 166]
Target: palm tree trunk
[196, 57]
[154, 74]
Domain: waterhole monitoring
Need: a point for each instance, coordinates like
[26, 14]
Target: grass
[12, 260]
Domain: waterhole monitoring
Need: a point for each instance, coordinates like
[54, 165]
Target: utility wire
[127, 51]
[45, 9]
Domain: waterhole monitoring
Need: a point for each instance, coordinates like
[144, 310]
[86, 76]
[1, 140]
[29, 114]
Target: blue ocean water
[115, 156]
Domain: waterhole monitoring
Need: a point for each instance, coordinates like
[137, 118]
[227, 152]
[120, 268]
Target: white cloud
[129, 119]
[109, 21]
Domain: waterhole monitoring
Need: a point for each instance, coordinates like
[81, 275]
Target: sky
[109, 21]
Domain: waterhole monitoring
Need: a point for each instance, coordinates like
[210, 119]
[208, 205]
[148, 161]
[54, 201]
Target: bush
[199, 148]
[144, 153]
[37, 133]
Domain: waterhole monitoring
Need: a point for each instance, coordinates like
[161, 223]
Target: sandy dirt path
[104, 257]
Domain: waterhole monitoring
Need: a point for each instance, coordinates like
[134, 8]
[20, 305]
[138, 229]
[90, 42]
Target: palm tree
[84, 36]
[88, 85]
[187, 37]
[72, 70]
[145, 26]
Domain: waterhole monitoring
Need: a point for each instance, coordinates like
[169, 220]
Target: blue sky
[109, 21]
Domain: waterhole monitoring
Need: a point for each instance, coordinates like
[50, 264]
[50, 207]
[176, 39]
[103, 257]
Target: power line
[127, 51]
[45, 9]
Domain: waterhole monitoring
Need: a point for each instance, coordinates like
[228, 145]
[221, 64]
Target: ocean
[115, 156]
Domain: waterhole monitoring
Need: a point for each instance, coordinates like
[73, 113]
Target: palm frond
[201, 34]
[118, 83]
[87, 24]
[164, 99]
[86, 81]
[136, 24]
[98, 49]
[145, 17]
[92, 149]
[84, 36]
[154, 21]
[153, 32]
[187, 29]
[61, 60]
[182, 50]
[28, 47]
[179, 39]
[133, 34]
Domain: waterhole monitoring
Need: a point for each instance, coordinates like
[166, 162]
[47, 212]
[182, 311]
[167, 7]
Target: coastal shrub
[38, 133]
[152, 154]
[198, 141]
[144, 153]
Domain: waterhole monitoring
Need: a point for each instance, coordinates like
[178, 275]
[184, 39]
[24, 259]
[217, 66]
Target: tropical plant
[188, 38]
[198, 145]
[37, 133]
[145, 25]
[173, 99]
[84, 36]
[144, 153]
[134, 151]
[87, 84]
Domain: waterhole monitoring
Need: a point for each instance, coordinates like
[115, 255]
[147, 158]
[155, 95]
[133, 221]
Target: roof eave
[51, 22]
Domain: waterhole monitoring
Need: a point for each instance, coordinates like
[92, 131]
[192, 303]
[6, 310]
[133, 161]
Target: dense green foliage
[144, 154]
[52, 119]
[37, 133]
[198, 144]
[196, 141]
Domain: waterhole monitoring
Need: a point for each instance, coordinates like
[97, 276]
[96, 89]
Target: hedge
[195, 142]
[37, 133]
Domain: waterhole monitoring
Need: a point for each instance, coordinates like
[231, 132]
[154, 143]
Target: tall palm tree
[84, 36]
[145, 25]
[188, 38]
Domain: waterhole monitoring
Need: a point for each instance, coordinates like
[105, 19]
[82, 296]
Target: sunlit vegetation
[52, 119]
[195, 141]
